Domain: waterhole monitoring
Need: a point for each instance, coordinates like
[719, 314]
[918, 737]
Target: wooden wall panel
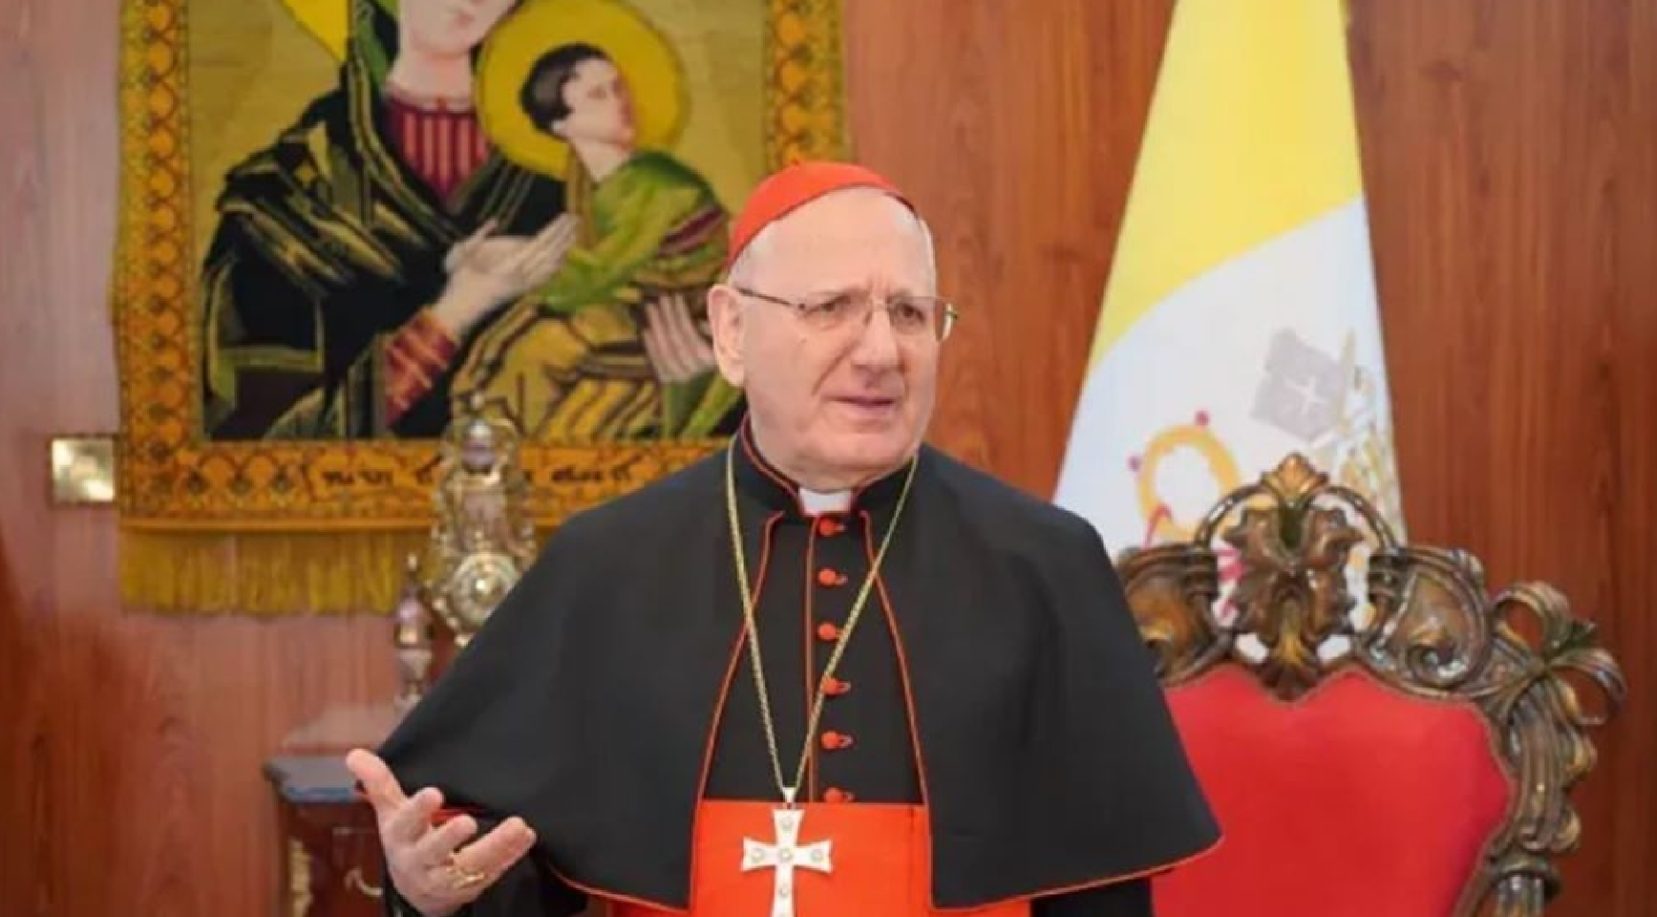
[130, 744]
[1624, 800]
[1015, 128]
[1511, 157]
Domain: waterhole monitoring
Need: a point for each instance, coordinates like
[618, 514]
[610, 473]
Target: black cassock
[1047, 758]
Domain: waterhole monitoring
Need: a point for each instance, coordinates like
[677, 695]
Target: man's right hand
[426, 863]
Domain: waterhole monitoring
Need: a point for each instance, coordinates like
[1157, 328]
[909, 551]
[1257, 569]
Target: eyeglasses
[910, 315]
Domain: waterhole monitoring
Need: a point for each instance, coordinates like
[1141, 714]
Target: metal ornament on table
[483, 538]
[412, 636]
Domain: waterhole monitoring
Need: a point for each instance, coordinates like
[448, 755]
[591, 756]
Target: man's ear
[556, 129]
[725, 323]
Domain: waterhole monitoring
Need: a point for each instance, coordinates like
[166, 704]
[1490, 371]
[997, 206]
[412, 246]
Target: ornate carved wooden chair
[1424, 770]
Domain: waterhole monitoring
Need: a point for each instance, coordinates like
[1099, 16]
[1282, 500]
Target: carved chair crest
[1430, 630]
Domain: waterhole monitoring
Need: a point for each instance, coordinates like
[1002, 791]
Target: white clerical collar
[818, 502]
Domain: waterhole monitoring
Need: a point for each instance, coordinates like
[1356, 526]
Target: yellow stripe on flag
[1251, 133]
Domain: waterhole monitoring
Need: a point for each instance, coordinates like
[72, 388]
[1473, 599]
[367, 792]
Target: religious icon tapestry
[346, 222]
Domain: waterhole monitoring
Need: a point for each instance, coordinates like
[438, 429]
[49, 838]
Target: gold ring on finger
[461, 877]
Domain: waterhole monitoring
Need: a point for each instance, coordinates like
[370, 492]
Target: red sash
[881, 858]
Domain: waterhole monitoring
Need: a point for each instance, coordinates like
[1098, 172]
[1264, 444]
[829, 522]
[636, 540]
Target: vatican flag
[1240, 323]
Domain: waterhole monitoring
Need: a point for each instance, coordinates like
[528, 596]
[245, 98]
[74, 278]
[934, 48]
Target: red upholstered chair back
[1409, 760]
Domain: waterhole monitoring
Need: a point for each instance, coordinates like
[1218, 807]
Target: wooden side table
[328, 852]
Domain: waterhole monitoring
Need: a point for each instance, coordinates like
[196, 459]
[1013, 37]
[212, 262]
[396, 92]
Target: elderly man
[828, 671]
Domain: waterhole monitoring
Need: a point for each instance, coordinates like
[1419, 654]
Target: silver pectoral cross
[785, 856]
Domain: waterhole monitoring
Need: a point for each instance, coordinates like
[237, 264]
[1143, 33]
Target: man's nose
[877, 341]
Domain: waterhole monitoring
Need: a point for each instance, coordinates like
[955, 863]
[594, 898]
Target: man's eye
[832, 307]
[910, 314]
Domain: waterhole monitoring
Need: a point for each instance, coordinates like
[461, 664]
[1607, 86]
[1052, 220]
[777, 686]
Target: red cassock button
[828, 576]
[828, 632]
[828, 527]
[834, 741]
[835, 794]
[834, 687]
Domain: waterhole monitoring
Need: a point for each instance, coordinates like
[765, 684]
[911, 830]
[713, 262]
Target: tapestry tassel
[265, 573]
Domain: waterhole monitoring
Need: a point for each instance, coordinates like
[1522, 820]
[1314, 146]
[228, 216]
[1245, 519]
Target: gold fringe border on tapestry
[275, 573]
